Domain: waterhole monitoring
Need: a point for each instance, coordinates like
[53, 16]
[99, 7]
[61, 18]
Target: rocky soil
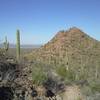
[16, 84]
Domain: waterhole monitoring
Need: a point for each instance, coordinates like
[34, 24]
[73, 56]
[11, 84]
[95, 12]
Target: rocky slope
[74, 56]
[72, 48]
[16, 82]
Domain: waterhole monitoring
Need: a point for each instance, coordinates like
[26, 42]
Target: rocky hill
[75, 57]
[73, 49]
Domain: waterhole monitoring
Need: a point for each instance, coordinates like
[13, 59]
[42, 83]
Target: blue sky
[39, 20]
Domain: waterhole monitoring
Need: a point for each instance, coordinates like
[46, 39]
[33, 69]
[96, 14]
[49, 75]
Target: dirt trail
[72, 93]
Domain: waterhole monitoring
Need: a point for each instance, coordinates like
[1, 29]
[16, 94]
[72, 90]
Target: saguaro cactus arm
[6, 44]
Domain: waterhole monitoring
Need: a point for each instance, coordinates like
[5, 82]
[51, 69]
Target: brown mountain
[73, 49]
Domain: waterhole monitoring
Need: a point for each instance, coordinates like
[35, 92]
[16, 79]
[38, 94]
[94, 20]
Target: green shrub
[2, 53]
[95, 87]
[81, 76]
[65, 74]
[61, 71]
[38, 75]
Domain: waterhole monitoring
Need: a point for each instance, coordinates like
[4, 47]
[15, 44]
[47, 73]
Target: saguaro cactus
[18, 45]
[6, 44]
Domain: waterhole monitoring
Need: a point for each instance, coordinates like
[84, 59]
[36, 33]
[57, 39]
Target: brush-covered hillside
[75, 57]
[72, 48]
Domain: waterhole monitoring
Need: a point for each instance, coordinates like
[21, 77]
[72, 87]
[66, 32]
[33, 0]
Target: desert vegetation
[74, 57]
[69, 62]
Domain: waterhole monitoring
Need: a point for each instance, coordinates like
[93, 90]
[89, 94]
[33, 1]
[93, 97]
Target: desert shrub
[95, 87]
[2, 54]
[81, 76]
[61, 71]
[86, 90]
[65, 74]
[1, 51]
[38, 74]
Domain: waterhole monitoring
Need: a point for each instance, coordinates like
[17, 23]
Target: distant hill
[73, 49]
[23, 46]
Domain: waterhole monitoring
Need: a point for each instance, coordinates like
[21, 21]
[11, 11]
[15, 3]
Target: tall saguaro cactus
[18, 45]
[6, 44]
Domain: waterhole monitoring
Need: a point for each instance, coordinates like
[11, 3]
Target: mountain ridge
[74, 57]
[73, 49]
